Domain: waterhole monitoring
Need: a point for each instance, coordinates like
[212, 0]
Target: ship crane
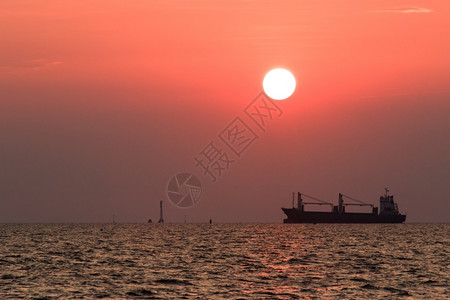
[360, 203]
[342, 205]
[301, 204]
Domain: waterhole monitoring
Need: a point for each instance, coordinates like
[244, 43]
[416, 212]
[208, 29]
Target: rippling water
[274, 261]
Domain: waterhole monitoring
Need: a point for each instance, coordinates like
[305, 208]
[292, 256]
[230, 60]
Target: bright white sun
[279, 84]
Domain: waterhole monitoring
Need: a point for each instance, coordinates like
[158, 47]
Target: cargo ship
[388, 213]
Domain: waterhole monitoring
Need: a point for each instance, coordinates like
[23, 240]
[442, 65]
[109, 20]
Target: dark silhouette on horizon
[389, 212]
[161, 219]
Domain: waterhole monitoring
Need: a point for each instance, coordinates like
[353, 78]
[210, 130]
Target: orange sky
[103, 101]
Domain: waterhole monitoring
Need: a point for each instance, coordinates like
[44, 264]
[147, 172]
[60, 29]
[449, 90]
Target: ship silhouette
[389, 212]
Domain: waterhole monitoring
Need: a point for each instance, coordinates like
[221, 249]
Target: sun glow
[279, 84]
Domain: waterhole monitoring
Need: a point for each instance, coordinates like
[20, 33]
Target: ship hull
[296, 216]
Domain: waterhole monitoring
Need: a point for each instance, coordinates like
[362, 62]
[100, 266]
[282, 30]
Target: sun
[279, 84]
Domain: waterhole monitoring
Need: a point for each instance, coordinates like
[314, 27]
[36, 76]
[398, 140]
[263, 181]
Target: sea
[224, 261]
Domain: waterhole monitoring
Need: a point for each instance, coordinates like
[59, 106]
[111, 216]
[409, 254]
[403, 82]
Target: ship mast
[300, 202]
[293, 198]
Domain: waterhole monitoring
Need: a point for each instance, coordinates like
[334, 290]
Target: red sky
[103, 101]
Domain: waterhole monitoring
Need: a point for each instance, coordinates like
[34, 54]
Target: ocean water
[217, 261]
